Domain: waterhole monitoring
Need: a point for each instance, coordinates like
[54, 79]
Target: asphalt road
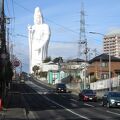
[42, 103]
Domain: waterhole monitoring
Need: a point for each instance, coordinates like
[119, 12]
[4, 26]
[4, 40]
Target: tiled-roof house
[99, 67]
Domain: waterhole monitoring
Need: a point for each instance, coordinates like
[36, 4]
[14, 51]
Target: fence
[104, 84]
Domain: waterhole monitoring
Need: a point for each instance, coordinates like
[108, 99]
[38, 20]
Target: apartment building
[111, 43]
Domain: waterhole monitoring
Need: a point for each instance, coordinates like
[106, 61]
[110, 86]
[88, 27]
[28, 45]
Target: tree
[58, 60]
[48, 59]
[35, 69]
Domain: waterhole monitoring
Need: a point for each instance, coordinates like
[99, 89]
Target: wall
[103, 85]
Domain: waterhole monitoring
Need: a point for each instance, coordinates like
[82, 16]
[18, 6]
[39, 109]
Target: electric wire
[47, 19]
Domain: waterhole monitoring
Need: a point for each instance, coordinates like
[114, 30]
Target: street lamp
[109, 60]
[97, 33]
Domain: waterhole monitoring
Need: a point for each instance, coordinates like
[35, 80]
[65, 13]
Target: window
[104, 64]
[105, 75]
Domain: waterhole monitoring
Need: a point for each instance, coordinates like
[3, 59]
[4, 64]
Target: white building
[111, 43]
[48, 66]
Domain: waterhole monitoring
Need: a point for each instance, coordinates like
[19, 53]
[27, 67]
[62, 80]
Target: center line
[89, 105]
[66, 108]
[113, 112]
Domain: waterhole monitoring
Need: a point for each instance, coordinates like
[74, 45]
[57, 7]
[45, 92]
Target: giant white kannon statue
[39, 35]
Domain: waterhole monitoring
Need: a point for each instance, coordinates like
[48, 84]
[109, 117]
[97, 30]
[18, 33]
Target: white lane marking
[81, 116]
[38, 88]
[62, 106]
[84, 103]
[113, 112]
[73, 100]
[74, 105]
[88, 105]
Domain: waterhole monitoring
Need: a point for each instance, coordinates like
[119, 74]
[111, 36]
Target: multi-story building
[111, 43]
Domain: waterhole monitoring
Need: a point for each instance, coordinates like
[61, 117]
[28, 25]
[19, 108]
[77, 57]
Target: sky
[63, 17]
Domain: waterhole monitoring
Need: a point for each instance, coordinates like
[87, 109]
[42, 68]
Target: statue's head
[38, 16]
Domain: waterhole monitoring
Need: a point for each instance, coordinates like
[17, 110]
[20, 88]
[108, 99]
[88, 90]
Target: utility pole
[3, 41]
[95, 52]
[82, 44]
[3, 55]
[8, 46]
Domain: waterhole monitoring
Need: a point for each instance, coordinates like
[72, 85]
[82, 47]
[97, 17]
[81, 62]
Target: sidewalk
[14, 109]
[15, 114]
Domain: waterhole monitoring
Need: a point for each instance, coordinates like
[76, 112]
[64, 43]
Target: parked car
[60, 88]
[87, 95]
[111, 99]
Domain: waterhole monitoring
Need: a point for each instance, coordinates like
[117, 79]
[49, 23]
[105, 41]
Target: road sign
[16, 63]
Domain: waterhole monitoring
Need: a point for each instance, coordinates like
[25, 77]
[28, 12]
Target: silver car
[111, 99]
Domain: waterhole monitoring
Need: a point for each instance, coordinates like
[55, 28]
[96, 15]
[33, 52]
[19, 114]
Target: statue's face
[37, 16]
[37, 20]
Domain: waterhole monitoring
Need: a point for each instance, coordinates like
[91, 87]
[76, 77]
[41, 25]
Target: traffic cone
[1, 104]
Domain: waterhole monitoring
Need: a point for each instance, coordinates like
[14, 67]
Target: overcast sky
[63, 17]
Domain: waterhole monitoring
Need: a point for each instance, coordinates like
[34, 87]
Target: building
[71, 70]
[73, 66]
[77, 69]
[98, 68]
[111, 43]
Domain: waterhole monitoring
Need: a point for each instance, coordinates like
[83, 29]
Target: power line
[65, 42]
[47, 19]
[69, 42]
[20, 35]
[62, 26]
[22, 6]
